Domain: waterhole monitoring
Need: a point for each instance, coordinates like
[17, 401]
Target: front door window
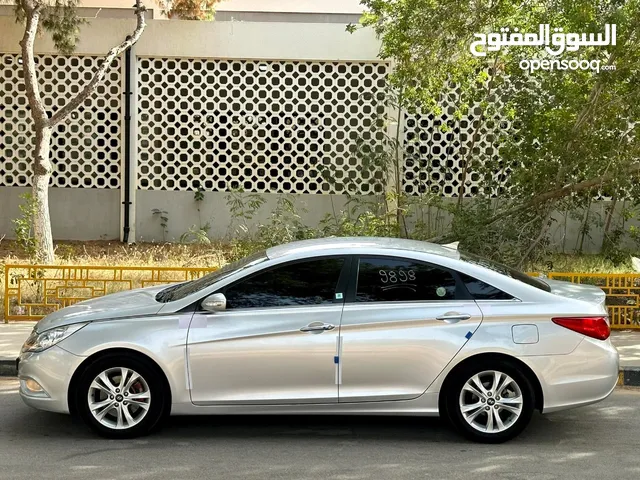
[303, 283]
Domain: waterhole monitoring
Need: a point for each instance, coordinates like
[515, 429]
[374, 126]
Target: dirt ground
[105, 252]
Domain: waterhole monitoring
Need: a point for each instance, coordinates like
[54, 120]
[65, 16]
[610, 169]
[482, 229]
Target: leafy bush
[22, 225]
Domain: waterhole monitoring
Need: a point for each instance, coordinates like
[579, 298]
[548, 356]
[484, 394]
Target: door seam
[187, 369]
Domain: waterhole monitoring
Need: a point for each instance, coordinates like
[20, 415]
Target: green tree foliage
[189, 9]
[574, 134]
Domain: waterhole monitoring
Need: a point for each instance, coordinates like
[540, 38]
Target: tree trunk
[41, 162]
[40, 191]
[607, 223]
[546, 222]
[43, 124]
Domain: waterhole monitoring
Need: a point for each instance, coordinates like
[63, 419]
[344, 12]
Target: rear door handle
[317, 327]
[452, 317]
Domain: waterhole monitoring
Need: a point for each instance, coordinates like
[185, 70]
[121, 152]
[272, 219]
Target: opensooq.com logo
[554, 44]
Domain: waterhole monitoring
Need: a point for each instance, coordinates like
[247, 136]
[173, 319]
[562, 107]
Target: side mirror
[216, 302]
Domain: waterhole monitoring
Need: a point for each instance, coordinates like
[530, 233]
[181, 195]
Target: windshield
[504, 270]
[181, 290]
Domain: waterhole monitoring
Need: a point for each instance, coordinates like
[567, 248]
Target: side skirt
[425, 405]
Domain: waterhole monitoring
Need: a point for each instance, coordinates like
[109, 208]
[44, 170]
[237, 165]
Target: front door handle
[453, 317]
[317, 327]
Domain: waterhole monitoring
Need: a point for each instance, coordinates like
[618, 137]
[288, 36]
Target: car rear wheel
[490, 402]
[121, 397]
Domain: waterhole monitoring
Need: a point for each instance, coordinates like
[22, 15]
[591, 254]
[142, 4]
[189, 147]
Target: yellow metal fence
[33, 291]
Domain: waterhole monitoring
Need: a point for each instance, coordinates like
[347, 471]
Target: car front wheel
[490, 403]
[120, 397]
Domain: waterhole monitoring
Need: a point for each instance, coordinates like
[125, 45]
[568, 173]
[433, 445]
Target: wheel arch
[77, 374]
[524, 368]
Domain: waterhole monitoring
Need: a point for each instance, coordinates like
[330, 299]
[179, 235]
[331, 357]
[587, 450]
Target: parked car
[372, 326]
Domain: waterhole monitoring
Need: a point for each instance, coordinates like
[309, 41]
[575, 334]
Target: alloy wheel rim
[119, 398]
[491, 401]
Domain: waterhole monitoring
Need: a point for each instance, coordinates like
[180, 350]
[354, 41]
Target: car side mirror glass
[216, 302]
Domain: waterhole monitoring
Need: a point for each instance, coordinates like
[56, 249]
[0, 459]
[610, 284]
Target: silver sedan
[366, 326]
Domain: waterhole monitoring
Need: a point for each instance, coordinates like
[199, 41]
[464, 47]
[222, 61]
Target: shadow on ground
[27, 423]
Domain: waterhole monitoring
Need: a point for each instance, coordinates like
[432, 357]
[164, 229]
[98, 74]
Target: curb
[628, 376]
[8, 368]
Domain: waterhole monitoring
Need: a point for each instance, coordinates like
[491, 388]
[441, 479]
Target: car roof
[359, 245]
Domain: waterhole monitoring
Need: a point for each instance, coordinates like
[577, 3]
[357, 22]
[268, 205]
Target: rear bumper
[585, 376]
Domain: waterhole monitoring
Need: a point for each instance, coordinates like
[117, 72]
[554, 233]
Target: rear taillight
[594, 327]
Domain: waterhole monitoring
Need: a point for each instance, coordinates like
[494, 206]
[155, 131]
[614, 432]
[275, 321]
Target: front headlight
[38, 342]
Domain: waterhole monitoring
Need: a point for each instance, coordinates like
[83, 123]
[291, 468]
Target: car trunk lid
[587, 293]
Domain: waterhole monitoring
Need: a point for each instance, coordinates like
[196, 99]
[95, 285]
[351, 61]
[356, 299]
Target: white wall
[299, 6]
[94, 213]
[76, 213]
[242, 40]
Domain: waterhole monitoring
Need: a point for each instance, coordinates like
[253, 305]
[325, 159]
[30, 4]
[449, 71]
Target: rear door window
[390, 279]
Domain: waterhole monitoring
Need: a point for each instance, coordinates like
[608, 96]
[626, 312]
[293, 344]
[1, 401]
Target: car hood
[587, 293]
[129, 303]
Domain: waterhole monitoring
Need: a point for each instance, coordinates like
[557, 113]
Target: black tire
[454, 390]
[152, 381]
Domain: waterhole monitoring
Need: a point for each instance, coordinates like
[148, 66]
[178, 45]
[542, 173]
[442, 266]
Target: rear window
[504, 270]
[480, 290]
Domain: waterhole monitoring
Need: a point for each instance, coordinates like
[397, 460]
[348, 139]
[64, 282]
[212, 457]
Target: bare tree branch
[546, 223]
[29, 64]
[567, 190]
[104, 67]
[632, 170]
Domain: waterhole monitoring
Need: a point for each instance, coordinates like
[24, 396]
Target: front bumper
[587, 375]
[52, 370]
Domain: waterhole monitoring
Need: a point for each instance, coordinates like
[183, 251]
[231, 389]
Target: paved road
[600, 441]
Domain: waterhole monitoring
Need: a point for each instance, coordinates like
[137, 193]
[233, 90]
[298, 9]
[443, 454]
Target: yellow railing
[33, 291]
